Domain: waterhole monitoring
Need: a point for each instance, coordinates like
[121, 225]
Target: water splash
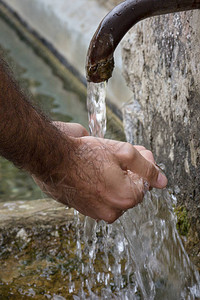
[162, 267]
[141, 255]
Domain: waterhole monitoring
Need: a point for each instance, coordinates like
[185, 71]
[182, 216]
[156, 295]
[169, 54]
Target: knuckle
[148, 155]
[127, 151]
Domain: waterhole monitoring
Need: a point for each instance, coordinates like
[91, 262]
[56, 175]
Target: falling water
[141, 255]
[96, 105]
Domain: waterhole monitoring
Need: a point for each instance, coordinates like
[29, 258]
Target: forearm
[27, 138]
[100, 178]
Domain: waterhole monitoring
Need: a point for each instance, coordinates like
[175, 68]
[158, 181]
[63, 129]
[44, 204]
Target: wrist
[50, 154]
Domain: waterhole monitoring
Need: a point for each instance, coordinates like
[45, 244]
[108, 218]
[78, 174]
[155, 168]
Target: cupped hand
[102, 178]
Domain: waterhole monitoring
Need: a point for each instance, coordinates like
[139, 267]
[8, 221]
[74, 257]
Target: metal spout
[114, 26]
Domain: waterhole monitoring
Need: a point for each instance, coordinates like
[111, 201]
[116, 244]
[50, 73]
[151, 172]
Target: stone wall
[161, 58]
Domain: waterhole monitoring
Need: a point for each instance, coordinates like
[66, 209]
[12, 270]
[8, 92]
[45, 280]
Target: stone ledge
[26, 212]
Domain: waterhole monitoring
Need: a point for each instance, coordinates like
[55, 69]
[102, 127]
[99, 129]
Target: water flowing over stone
[141, 254]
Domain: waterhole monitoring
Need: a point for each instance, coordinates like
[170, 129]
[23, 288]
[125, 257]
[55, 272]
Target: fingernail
[162, 180]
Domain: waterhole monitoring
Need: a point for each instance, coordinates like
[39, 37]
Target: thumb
[131, 159]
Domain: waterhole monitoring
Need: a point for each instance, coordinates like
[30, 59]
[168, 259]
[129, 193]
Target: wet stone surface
[39, 252]
[161, 66]
[37, 240]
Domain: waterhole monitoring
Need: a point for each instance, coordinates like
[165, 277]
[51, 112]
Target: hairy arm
[98, 177]
[27, 137]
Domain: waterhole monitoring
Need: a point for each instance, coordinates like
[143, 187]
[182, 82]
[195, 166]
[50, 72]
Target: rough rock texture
[33, 213]
[162, 67]
[38, 254]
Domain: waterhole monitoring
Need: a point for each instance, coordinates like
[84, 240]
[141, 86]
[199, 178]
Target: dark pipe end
[100, 71]
[100, 62]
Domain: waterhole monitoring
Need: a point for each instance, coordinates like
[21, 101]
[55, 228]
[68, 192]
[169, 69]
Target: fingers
[117, 207]
[142, 165]
[147, 154]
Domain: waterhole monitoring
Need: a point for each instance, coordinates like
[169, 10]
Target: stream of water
[142, 253]
[96, 105]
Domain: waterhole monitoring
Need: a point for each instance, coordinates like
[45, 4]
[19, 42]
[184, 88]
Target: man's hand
[98, 177]
[103, 178]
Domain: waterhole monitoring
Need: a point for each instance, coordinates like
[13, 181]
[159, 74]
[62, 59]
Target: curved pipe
[114, 26]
